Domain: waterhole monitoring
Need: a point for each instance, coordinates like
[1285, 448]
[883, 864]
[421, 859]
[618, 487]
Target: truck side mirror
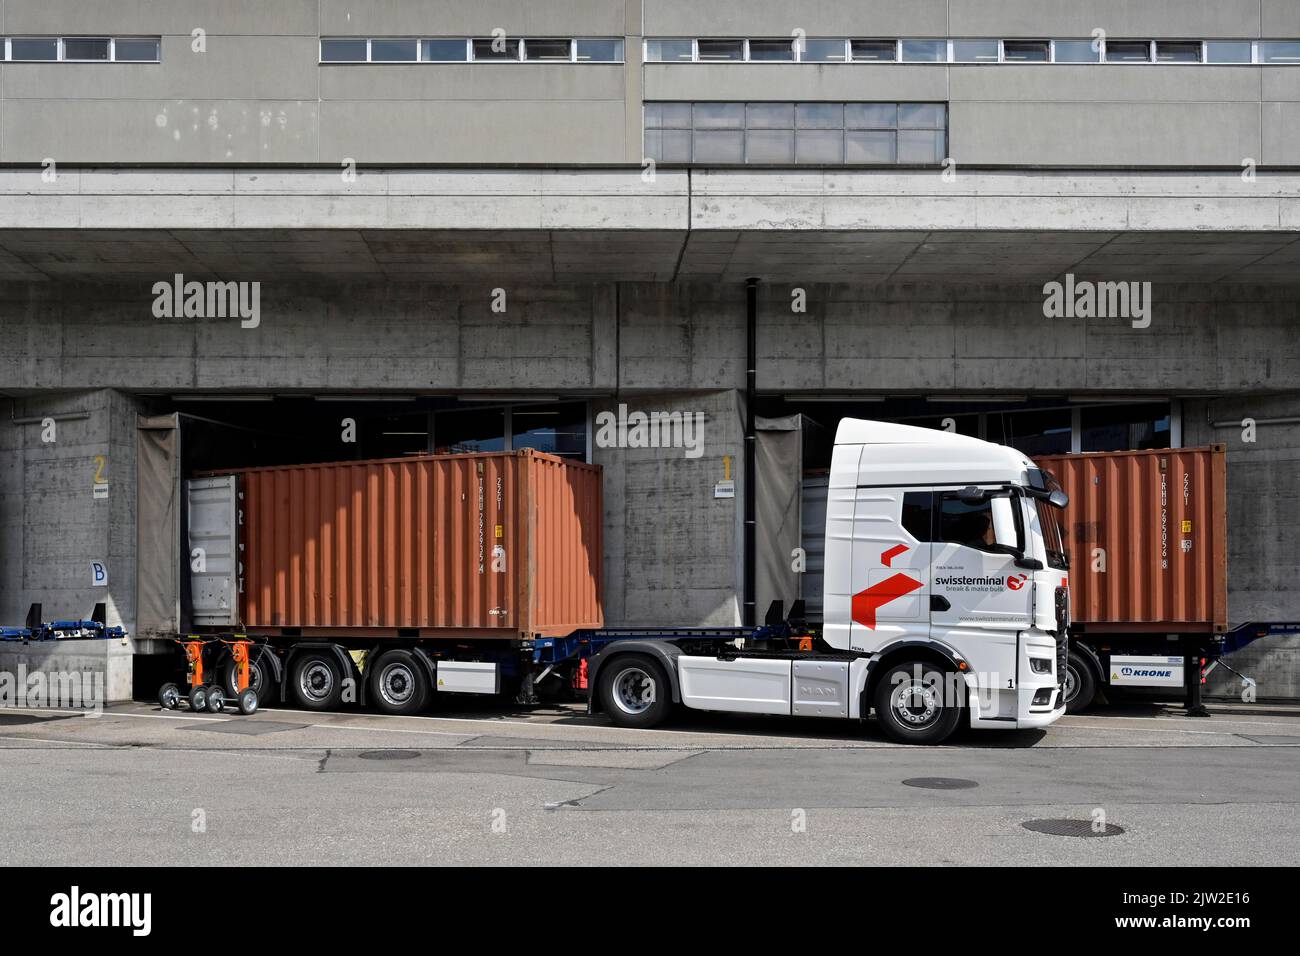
[1004, 524]
[1058, 498]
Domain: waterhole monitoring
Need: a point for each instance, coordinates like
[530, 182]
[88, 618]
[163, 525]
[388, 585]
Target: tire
[216, 699]
[316, 680]
[910, 703]
[634, 691]
[248, 701]
[261, 678]
[169, 695]
[398, 683]
[199, 699]
[1080, 683]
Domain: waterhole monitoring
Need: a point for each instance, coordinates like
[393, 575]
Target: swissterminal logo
[76, 909]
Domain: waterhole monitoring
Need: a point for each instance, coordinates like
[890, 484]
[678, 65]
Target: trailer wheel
[634, 691]
[199, 699]
[216, 699]
[1080, 683]
[169, 695]
[398, 684]
[316, 681]
[914, 703]
[248, 701]
[261, 678]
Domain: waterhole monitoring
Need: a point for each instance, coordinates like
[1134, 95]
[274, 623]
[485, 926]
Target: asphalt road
[140, 786]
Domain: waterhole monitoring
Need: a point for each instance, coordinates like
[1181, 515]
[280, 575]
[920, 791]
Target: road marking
[47, 740]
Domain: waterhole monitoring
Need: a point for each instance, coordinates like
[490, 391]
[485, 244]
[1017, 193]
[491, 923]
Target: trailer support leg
[1192, 671]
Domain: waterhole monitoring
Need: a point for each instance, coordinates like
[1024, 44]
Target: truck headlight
[1041, 665]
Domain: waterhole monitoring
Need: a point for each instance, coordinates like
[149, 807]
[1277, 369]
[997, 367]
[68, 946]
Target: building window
[444, 51]
[1124, 427]
[394, 51]
[130, 50]
[975, 51]
[1279, 51]
[33, 48]
[463, 49]
[1026, 51]
[782, 133]
[560, 50]
[923, 51]
[598, 51]
[874, 51]
[1227, 51]
[824, 51]
[669, 51]
[721, 51]
[1128, 51]
[771, 50]
[1178, 52]
[80, 49]
[344, 51]
[1076, 51]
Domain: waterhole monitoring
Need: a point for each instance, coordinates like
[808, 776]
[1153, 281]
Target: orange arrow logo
[866, 603]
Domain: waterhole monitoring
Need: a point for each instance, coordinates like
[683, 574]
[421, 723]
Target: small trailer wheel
[169, 696]
[216, 699]
[199, 699]
[247, 701]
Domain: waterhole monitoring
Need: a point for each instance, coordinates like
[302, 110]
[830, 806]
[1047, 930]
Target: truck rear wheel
[915, 704]
[634, 691]
[1080, 683]
[316, 681]
[398, 684]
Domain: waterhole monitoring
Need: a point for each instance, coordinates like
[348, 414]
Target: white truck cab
[945, 601]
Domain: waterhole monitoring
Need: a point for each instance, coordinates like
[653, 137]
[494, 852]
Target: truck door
[890, 567]
[981, 599]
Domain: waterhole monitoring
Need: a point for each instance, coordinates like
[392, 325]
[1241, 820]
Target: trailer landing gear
[210, 697]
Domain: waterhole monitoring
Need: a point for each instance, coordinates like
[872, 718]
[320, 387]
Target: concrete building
[483, 224]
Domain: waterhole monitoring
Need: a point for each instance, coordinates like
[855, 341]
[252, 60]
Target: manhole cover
[389, 754]
[1072, 828]
[940, 783]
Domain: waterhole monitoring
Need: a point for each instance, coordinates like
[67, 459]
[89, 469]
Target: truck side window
[918, 514]
[969, 524]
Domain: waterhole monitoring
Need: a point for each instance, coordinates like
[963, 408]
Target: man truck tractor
[944, 602]
[396, 582]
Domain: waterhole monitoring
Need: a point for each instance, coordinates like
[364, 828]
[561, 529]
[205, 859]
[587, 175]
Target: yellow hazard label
[1187, 527]
[500, 531]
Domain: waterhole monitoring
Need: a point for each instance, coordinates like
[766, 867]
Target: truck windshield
[1049, 518]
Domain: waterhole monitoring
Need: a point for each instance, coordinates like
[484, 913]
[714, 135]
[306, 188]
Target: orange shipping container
[501, 545]
[1156, 521]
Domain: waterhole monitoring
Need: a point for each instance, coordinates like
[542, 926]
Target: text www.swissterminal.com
[1203, 923]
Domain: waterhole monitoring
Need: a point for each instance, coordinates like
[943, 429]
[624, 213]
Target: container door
[213, 550]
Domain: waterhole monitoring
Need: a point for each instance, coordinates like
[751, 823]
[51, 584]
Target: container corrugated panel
[1156, 521]
[411, 545]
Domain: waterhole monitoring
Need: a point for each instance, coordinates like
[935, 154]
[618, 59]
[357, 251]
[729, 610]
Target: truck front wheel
[917, 703]
[1080, 684]
[634, 691]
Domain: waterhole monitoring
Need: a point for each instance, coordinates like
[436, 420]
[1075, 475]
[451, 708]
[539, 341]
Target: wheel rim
[634, 691]
[396, 684]
[316, 681]
[1071, 683]
[915, 704]
[171, 697]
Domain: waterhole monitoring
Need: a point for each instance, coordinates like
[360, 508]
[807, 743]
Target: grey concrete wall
[1263, 496]
[51, 525]
[672, 550]
[1273, 662]
[257, 93]
[102, 670]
